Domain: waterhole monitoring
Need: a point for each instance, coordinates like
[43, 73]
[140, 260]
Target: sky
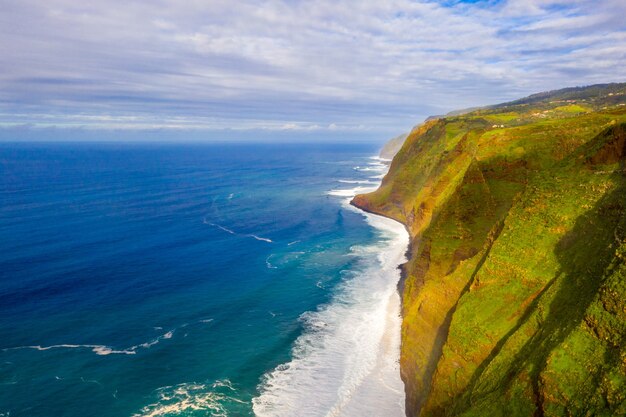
[257, 70]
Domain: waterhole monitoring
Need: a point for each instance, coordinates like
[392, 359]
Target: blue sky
[327, 69]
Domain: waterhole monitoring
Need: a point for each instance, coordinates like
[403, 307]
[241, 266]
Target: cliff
[514, 294]
[391, 148]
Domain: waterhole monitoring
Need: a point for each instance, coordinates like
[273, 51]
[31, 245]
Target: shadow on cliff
[583, 253]
[475, 210]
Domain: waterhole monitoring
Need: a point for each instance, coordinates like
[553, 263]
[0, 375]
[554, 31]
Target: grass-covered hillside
[514, 298]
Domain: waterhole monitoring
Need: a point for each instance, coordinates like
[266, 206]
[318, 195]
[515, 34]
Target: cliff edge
[514, 295]
[391, 148]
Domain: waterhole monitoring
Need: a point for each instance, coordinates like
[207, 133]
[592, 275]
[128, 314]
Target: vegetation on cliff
[514, 298]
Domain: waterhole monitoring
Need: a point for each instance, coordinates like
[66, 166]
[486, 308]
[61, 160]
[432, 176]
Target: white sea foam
[378, 158]
[191, 397]
[227, 230]
[269, 264]
[346, 362]
[147, 345]
[279, 260]
[358, 182]
[101, 350]
[232, 232]
[351, 192]
[97, 349]
[372, 167]
[380, 165]
[262, 239]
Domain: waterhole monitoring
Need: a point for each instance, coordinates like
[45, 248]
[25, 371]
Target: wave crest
[345, 363]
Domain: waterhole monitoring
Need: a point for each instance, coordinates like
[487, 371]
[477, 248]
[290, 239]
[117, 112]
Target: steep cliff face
[391, 148]
[513, 299]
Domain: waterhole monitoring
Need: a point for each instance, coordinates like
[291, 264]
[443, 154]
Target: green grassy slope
[514, 297]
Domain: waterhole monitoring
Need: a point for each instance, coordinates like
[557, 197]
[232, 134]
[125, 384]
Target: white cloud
[317, 66]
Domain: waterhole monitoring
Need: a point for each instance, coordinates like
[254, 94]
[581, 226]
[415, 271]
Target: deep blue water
[139, 277]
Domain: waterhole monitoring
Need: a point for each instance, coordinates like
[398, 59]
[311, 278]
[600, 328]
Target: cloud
[323, 66]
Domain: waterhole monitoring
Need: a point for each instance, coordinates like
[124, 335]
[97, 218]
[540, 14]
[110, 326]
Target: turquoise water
[182, 279]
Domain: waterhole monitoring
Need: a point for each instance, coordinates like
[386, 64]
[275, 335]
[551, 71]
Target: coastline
[409, 249]
[401, 267]
[394, 311]
[496, 262]
[348, 360]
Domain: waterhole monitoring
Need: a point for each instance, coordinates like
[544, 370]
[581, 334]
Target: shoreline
[409, 249]
[393, 327]
[402, 267]
[363, 329]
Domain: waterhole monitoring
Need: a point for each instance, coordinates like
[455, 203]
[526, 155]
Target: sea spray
[346, 363]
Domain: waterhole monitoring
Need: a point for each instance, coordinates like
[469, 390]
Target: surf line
[346, 361]
[232, 232]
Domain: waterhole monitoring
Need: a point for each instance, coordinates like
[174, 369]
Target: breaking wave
[346, 362]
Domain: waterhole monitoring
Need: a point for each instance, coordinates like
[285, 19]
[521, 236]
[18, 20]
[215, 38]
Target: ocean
[196, 280]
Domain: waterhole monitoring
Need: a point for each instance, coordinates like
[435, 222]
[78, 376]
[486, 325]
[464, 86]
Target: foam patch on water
[97, 349]
[182, 399]
[232, 232]
[225, 229]
[280, 260]
[351, 192]
[358, 182]
[378, 158]
[101, 350]
[346, 362]
[262, 239]
[373, 166]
